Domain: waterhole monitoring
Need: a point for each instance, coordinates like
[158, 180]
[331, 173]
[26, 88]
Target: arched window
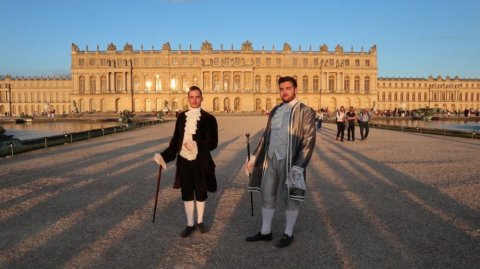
[226, 82]
[331, 83]
[268, 82]
[315, 83]
[119, 82]
[367, 84]
[185, 84]
[103, 84]
[236, 104]
[305, 83]
[236, 82]
[216, 106]
[158, 83]
[226, 104]
[357, 84]
[268, 104]
[216, 82]
[258, 104]
[81, 84]
[257, 83]
[346, 84]
[148, 105]
[93, 86]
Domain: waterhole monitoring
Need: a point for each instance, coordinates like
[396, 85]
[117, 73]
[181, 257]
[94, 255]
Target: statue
[286, 47]
[247, 46]
[206, 46]
[111, 47]
[128, 47]
[166, 46]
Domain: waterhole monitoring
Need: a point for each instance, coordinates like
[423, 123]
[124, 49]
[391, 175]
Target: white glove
[295, 178]
[249, 164]
[160, 161]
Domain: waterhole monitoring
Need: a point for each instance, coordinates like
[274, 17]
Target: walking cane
[248, 159]
[156, 196]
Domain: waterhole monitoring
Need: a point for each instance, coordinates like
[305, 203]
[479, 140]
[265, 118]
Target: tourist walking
[363, 121]
[340, 113]
[195, 135]
[351, 116]
[278, 163]
[319, 118]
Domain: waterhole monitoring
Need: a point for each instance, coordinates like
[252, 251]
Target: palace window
[367, 62]
[158, 83]
[395, 96]
[103, 84]
[305, 62]
[91, 62]
[257, 61]
[367, 84]
[268, 82]
[237, 61]
[279, 61]
[226, 82]
[257, 83]
[356, 86]
[227, 61]
[389, 96]
[81, 84]
[357, 62]
[331, 83]
[346, 84]
[294, 63]
[305, 83]
[236, 82]
[93, 85]
[419, 96]
[268, 104]
[383, 96]
[268, 60]
[216, 81]
[347, 62]
[413, 96]
[401, 96]
[425, 96]
[216, 61]
[236, 104]
[331, 62]
[80, 62]
[315, 83]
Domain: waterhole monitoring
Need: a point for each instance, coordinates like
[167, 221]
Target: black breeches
[191, 180]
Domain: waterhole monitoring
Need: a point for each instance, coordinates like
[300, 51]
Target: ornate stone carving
[287, 47]
[339, 49]
[111, 47]
[206, 46]
[373, 49]
[166, 46]
[75, 48]
[128, 47]
[323, 48]
[247, 46]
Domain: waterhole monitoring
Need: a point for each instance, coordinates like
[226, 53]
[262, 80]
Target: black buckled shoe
[188, 231]
[285, 241]
[259, 237]
[202, 227]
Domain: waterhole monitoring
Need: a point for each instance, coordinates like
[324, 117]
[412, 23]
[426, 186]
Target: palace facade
[232, 80]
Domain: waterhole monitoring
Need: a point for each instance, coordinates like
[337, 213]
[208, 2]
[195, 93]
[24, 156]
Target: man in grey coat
[278, 164]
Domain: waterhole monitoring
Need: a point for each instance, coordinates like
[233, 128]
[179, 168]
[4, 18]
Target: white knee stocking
[200, 210]
[267, 216]
[291, 218]
[189, 208]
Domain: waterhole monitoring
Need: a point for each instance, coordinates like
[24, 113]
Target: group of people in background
[346, 119]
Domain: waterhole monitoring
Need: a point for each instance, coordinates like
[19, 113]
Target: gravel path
[398, 200]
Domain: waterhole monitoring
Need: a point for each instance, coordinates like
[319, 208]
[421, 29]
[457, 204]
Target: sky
[414, 38]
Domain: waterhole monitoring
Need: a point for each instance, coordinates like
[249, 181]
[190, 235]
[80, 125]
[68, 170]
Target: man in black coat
[195, 135]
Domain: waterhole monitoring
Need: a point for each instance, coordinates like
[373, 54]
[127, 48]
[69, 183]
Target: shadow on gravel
[384, 218]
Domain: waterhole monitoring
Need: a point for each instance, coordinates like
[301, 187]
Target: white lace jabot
[193, 116]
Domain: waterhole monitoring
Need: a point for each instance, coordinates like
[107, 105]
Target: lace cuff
[295, 178]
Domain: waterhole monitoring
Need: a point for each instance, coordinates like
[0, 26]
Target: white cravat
[193, 116]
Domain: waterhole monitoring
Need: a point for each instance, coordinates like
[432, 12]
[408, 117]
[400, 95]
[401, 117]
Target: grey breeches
[274, 183]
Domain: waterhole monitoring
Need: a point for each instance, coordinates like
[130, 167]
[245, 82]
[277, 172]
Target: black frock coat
[206, 138]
